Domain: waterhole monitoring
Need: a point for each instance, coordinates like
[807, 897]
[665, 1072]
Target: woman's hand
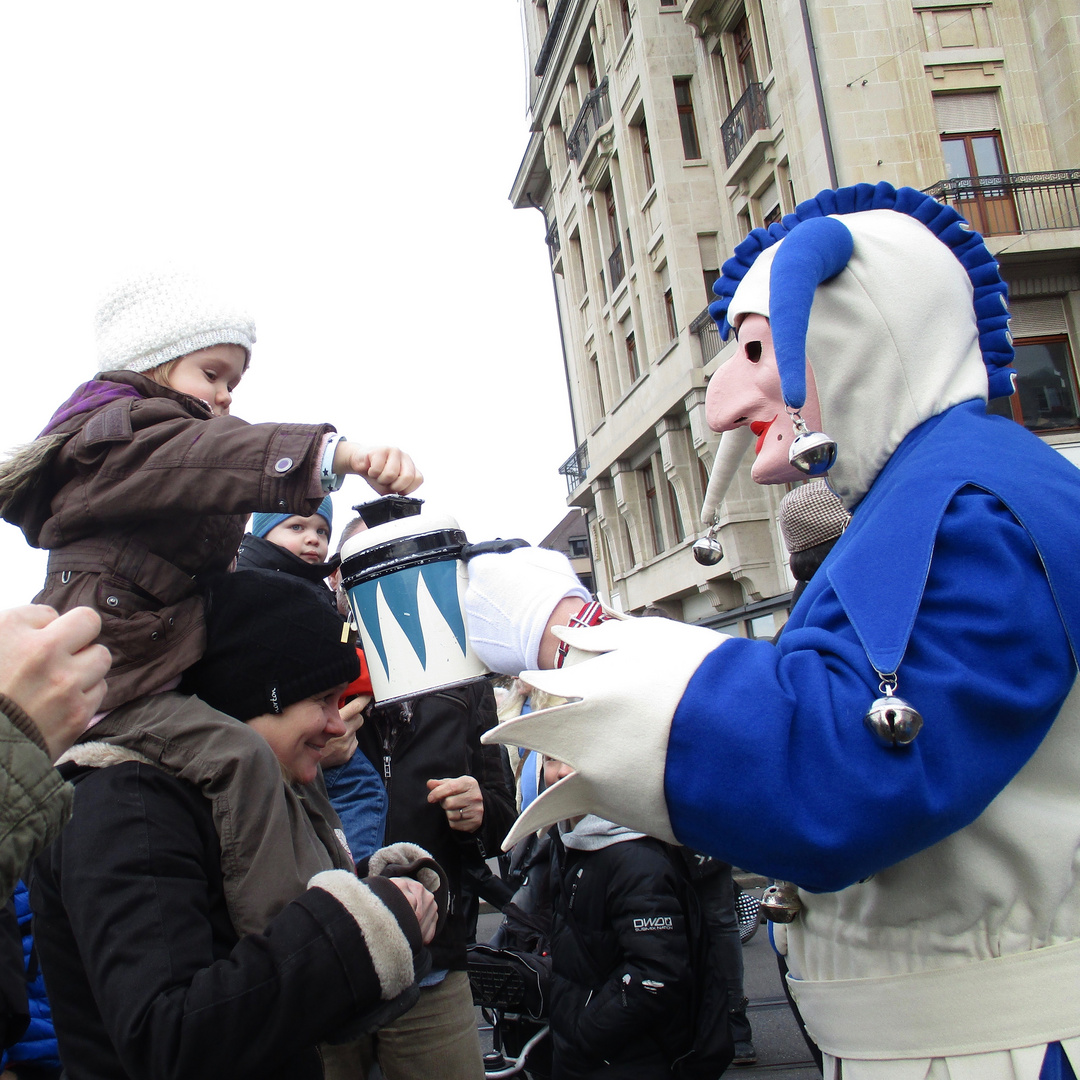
[423, 905]
[50, 666]
[386, 468]
[461, 801]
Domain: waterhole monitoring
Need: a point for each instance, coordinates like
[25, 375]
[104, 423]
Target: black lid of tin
[388, 508]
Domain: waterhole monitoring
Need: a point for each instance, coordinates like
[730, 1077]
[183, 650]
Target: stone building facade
[663, 130]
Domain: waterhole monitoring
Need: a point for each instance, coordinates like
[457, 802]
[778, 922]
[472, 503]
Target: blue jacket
[38, 1044]
[358, 795]
[978, 611]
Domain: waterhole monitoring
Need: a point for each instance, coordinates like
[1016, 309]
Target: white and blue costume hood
[897, 306]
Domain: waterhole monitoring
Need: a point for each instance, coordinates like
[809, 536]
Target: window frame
[646, 156]
[691, 140]
[1012, 405]
[652, 508]
[633, 364]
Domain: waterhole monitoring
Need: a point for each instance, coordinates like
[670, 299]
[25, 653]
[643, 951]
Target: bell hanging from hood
[812, 452]
[808, 257]
[708, 550]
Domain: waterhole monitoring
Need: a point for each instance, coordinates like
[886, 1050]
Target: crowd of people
[225, 858]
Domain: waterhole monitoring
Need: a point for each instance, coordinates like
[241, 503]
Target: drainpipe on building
[808, 30]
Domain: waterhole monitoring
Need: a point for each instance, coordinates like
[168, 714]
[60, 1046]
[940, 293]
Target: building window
[1045, 398]
[612, 218]
[744, 54]
[676, 513]
[652, 508]
[669, 311]
[669, 3]
[632, 358]
[710, 262]
[970, 158]
[646, 156]
[769, 204]
[684, 104]
[579, 547]
[594, 364]
[624, 11]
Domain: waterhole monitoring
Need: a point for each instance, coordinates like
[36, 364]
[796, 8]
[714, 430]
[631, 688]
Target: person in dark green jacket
[52, 679]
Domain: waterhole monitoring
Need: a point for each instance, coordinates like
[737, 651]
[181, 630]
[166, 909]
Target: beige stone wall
[882, 65]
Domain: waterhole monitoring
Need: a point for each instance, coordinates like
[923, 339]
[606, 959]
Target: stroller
[511, 975]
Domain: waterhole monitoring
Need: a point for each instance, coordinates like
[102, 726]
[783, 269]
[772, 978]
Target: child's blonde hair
[161, 373]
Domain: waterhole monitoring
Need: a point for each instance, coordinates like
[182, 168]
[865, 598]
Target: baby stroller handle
[518, 1063]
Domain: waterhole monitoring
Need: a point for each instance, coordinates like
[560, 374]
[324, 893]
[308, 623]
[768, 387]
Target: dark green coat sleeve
[35, 801]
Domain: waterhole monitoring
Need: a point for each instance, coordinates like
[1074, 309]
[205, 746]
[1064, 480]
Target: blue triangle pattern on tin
[441, 581]
[399, 592]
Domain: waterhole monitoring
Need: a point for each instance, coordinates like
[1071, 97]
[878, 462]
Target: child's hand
[386, 468]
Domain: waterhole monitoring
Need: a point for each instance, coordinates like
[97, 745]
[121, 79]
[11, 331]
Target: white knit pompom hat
[148, 320]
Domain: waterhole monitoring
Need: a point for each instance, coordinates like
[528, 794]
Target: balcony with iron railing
[552, 240]
[575, 467]
[751, 113]
[616, 269]
[704, 328]
[548, 45]
[594, 113]
[1014, 202]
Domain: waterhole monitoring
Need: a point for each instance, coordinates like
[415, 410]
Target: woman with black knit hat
[137, 921]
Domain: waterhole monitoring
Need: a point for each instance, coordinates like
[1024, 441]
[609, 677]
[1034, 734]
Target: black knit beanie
[270, 642]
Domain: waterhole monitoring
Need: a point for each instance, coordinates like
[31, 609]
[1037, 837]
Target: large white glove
[510, 600]
[615, 736]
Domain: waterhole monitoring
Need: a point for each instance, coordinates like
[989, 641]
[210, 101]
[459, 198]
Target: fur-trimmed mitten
[399, 963]
[404, 859]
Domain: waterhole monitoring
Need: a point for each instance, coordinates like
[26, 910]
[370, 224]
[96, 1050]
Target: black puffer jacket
[622, 974]
[146, 975]
[258, 553]
[431, 738]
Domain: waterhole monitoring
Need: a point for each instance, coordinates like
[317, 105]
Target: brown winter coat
[145, 494]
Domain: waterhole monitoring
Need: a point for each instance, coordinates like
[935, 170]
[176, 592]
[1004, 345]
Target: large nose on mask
[747, 386]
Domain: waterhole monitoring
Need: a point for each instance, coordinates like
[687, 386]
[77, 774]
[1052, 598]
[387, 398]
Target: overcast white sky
[347, 165]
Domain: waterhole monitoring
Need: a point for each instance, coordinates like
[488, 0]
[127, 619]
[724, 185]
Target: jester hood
[853, 291]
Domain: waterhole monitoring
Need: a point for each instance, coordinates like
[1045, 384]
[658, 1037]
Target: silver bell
[893, 721]
[780, 902]
[813, 453]
[707, 550]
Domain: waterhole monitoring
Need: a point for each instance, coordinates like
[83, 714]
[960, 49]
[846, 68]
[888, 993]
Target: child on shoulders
[139, 488]
[292, 544]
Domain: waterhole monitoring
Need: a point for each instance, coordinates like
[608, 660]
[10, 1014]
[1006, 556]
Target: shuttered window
[1037, 318]
[967, 112]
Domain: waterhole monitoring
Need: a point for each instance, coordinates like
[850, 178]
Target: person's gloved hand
[615, 734]
[509, 601]
[407, 860]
